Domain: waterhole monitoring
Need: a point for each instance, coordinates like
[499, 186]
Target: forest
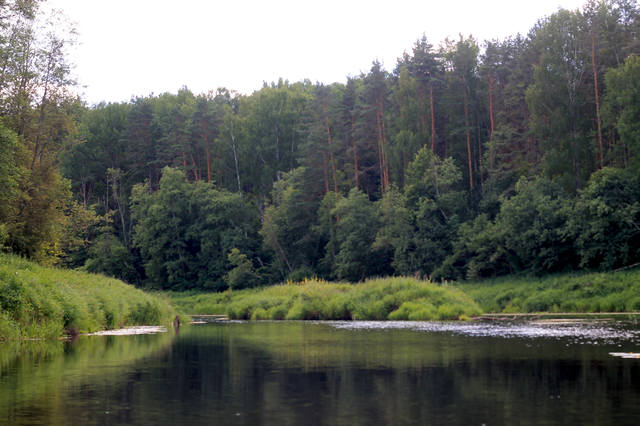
[468, 160]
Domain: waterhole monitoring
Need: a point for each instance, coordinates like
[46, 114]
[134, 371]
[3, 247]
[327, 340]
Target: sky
[129, 48]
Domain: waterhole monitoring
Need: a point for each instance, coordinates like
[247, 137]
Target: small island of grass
[411, 299]
[376, 299]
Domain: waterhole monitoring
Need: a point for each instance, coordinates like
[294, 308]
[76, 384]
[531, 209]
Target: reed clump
[312, 299]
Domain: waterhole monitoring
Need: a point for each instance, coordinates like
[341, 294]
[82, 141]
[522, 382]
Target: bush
[242, 275]
[604, 223]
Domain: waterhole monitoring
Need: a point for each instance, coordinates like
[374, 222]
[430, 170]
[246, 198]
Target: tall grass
[410, 299]
[40, 302]
[379, 299]
[580, 293]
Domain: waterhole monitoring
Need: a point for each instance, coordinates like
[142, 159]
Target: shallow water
[351, 373]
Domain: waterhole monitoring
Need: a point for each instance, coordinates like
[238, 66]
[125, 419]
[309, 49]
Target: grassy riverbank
[379, 299]
[40, 302]
[410, 299]
[579, 293]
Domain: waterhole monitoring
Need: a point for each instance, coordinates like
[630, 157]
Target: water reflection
[38, 378]
[301, 373]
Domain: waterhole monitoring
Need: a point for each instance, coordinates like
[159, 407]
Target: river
[330, 373]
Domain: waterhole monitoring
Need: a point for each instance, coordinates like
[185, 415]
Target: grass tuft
[377, 299]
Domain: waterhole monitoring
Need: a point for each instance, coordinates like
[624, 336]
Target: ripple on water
[583, 332]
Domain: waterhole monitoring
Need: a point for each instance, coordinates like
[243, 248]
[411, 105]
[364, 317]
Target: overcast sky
[138, 47]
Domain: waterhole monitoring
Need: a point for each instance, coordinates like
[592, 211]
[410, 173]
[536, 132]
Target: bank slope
[573, 293]
[41, 302]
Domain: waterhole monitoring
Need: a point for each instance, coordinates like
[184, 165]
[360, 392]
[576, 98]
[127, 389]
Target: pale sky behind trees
[137, 47]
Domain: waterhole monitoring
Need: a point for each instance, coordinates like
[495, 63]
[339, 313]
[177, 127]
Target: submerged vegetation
[378, 299]
[41, 302]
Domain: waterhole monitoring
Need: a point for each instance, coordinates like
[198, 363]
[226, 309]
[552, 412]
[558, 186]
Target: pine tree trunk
[235, 155]
[206, 148]
[380, 160]
[208, 163]
[492, 124]
[184, 163]
[331, 156]
[355, 154]
[195, 168]
[466, 122]
[433, 121]
[38, 149]
[235, 160]
[595, 87]
[380, 152]
[423, 114]
[326, 175]
[479, 165]
[384, 146]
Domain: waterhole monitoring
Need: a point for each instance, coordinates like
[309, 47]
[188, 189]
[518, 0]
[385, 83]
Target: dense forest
[468, 160]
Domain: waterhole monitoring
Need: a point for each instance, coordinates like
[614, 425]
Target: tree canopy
[469, 159]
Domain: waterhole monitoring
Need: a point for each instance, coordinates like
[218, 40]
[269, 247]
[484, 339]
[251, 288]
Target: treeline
[467, 160]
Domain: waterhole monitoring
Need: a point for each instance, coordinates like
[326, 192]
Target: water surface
[350, 373]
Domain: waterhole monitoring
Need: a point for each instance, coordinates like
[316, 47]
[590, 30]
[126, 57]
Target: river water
[330, 373]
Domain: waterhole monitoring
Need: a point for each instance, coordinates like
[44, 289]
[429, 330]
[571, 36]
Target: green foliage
[143, 313]
[273, 126]
[561, 108]
[452, 165]
[40, 227]
[326, 229]
[37, 118]
[622, 104]
[4, 235]
[287, 229]
[36, 301]
[506, 69]
[32, 203]
[528, 234]
[107, 255]
[395, 232]
[532, 226]
[10, 179]
[242, 275]
[356, 228]
[11, 174]
[592, 292]
[434, 207]
[81, 227]
[300, 274]
[184, 232]
[606, 223]
[380, 299]
[476, 252]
